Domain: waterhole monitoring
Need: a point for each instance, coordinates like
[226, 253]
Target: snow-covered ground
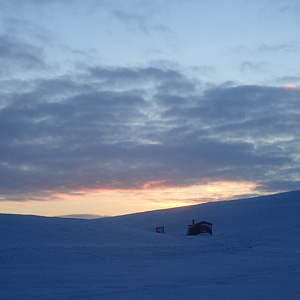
[254, 253]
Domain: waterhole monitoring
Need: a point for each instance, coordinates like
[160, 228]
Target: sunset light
[118, 202]
[149, 149]
[291, 86]
[145, 105]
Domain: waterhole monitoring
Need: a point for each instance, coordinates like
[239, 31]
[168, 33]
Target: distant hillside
[82, 216]
[229, 218]
[226, 215]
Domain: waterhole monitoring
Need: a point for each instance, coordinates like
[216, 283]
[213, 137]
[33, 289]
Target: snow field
[253, 254]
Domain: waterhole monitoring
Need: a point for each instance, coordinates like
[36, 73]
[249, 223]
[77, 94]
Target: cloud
[254, 66]
[16, 54]
[291, 86]
[132, 19]
[120, 128]
[30, 2]
[140, 16]
[292, 46]
[287, 79]
[295, 9]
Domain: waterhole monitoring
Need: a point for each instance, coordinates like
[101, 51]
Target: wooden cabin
[201, 227]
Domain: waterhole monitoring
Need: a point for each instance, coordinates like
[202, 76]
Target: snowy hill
[225, 214]
[254, 253]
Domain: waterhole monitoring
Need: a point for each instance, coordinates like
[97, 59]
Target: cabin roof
[202, 222]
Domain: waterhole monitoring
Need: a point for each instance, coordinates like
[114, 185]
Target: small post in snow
[160, 229]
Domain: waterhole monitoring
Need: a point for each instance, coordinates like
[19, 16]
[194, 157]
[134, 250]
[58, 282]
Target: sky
[115, 107]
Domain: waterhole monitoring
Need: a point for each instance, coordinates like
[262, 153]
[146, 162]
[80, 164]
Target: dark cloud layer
[122, 127]
[17, 55]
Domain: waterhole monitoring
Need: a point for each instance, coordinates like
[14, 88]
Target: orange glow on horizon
[118, 202]
[153, 184]
[291, 86]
